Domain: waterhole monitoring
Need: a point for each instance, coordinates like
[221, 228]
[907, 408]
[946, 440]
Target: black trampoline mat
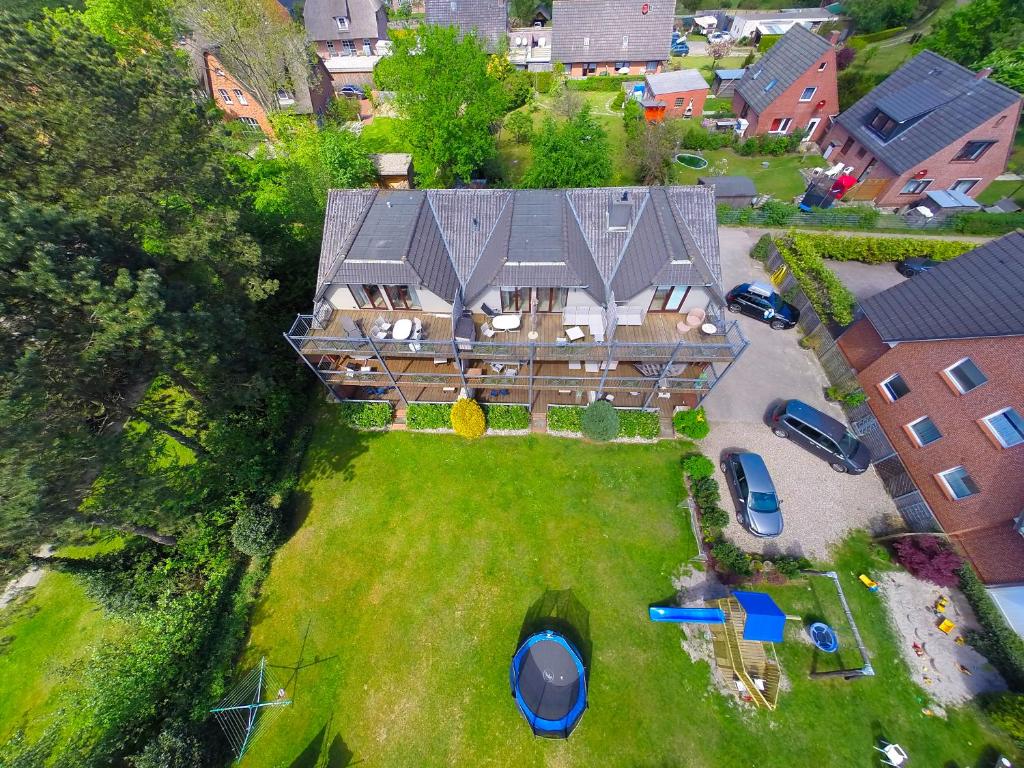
[549, 680]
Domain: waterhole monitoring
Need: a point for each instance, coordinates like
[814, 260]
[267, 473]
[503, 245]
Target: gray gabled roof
[366, 19]
[676, 81]
[978, 294]
[488, 18]
[937, 100]
[469, 240]
[596, 30]
[795, 52]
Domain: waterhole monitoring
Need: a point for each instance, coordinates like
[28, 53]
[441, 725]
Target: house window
[821, 67]
[669, 298]
[589, 68]
[770, 84]
[224, 96]
[402, 296]
[331, 50]
[367, 47]
[622, 65]
[973, 150]
[348, 48]
[924, 431]
[964, 185]
[958, 483]
[219, 72]
[745, 110]
[251, 124]
[652, 66]
[679, 101]
[285, 98]
[1006, 426]
[861, 152]
[515, 299]
[883, 125]
[846, 146]
[369, 296]
[780, 125]
[689, 109]
[241, 97]
[915, 186]
[586, 42]
[965, 376]
[894, 388]
[808, 93]
[551, 299]
[342, 23]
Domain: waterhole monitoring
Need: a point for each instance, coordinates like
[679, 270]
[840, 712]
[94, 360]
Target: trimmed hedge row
[692, 423]
[877, 37]
[569, 418]
[996, 641]
[988, 223]
[609, 83]
[507, 417]
[876, 250]
[565, 418]
[826, 292]
[366, 415]
[429, 416]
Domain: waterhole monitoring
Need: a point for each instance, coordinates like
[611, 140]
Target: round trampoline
[824, 637]
[549, 684]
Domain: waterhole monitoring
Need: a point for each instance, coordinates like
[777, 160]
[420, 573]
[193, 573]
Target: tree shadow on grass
[559, 610]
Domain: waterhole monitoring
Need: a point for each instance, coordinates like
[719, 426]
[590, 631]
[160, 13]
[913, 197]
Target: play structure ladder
[744, 654]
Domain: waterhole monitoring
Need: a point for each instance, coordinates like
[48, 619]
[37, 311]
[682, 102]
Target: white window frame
[225, 96]
[332, 51]
[885, 390]
[348, 48]
[784, 126]
[821, 67]
[916, 438]
[918, 189]
[241, 97]
[941, 477]
[342, 23]
[812, 126]
[987, 421]
[955, 384]
[625, 41]
[812, 88]
[252, 124]
[586, 42]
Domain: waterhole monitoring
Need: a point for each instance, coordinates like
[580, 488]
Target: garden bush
[929, 558]
[565, 418]
[256, 530]
[607, 83]
[790, 565]
[518, 87]
[770, 145]
[988, 223]
[542, 81]
[176, 746]
[429, 416]
[600, 421]
[520, 127]
[1007, 712]
[695, 137]
[767, 42]
[467, 418]
[619, 100]
[644, 424]
[761, 248]
[996, 640]
[875, 250]
[712, 521]
[706, 493]
[830, 298]
[698, 466]
[731, 558]
[507, 417]
[692, 423]
[877, 37]
[366, 415]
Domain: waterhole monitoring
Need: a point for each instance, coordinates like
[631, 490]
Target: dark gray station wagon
[821, 435]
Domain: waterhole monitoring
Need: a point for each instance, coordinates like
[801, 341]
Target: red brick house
[939, 356]
[931, 125]
[669, 95]
[793, 88]
[350, 36]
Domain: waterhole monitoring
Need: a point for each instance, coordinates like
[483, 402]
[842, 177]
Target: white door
[813, 126]
[829, 150]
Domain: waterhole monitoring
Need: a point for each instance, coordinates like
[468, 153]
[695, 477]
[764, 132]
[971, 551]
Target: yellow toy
[946, 626]
[941, 603]
[867, 582]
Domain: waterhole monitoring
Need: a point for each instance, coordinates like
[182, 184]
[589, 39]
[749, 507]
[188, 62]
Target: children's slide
[686, 615]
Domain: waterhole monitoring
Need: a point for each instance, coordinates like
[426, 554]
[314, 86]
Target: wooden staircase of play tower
[754, 664]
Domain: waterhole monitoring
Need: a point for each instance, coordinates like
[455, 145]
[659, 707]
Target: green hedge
[830, 298]
[542, 81]
[692, 424]
[609, 83]
[639, 424]
[507, 416]
[429, 416]
[988, 223]
[877, 250]
[996, 641]
[565, 418]
[366, 415]
[877, 37]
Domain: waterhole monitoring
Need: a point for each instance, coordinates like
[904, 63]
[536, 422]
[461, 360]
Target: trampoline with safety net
[549, 684]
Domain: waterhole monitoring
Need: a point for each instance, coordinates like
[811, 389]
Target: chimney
[620, 211]
[833, 37]
[981, 74]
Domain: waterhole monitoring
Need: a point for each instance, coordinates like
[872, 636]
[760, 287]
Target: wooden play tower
[753, 663]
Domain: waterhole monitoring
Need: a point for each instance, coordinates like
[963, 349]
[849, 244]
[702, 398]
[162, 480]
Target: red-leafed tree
[929, 558]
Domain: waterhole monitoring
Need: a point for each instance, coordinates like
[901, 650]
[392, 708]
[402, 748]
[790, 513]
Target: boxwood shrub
[429, 416]
[644, 424]
[692, 424]
[565, 418]
[367, 415]
[697, 466]
[600, 421]
[507, 416]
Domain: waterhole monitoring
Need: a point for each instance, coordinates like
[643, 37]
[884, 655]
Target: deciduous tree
[570, 154]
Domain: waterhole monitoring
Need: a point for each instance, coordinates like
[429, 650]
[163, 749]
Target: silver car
[759, 508]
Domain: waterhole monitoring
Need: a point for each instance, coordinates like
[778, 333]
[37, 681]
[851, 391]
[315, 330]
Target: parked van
[821, 435]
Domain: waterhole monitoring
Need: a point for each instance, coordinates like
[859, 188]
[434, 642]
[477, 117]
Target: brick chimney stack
[981, 74]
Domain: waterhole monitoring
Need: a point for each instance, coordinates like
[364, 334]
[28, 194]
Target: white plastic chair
[893, 754]
[487, 331]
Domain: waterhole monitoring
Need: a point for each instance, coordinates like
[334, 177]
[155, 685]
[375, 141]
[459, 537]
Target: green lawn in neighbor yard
[997, 190]
[781, 178]
[400, 598]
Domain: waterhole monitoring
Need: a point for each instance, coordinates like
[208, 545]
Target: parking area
[866, 280]
[820, 506]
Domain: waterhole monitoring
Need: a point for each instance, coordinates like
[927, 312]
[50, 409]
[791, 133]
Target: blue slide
[687, 615]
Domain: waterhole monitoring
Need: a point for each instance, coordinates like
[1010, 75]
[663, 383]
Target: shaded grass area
[781, 178]
[395, 607]
[26, 8]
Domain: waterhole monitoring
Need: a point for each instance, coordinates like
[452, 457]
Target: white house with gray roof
[595, 37]
[535, 297]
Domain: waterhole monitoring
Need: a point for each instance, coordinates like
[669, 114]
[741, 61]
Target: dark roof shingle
[795, 52]
[366, 19]
[488, 18]
[610, 30]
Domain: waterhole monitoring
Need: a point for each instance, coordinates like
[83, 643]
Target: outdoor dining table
[506, 322]
[402, 329]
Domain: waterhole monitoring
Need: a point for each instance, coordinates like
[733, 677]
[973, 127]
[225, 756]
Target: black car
[352, 91]
[821, 435]
[915, 266]
[760, 301]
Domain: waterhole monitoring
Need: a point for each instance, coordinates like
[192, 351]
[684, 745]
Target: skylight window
[770, 84]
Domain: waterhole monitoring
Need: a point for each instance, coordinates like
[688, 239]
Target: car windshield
[763, 502]
[848, 445]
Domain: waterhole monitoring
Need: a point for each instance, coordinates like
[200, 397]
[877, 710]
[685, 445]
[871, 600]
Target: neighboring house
[792, 88]
[596, 37]
[350, 36]
[931, 124]
[734, 191]
[669, 95]
[754, 24]
[394, 170]
[535, 297]
[488, 19]
[529, 48]
[724, 83]
[939, 357]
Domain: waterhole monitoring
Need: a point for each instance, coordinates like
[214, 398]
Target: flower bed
[507, 418]
[429, 416]
[633, 424]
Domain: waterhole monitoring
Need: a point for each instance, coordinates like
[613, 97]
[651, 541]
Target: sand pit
[951, 673]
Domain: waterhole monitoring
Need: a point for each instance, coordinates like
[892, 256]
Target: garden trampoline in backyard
[549, 684]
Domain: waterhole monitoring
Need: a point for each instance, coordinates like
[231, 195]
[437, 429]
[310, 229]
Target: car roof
[761, 288]
[802, 411]
[758, 479]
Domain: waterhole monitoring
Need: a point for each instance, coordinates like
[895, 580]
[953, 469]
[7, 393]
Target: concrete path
[26, 581]
[866, 279]
[756, 232]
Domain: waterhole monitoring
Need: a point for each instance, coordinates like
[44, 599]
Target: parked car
[679, 48]
[758, 506]
[760, 301]
[915, 265]
[717, 37]
[352, 91]
[821, 435]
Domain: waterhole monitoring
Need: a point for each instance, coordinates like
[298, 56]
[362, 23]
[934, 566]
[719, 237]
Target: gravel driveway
[820, 506]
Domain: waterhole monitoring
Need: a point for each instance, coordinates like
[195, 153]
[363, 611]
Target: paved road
[866, 279]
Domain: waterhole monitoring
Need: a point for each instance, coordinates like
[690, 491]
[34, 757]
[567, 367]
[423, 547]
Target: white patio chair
[893, 754]
[487, 331]
[417, 328]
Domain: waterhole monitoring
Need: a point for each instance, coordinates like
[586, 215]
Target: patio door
[812, 126]
[669, 298]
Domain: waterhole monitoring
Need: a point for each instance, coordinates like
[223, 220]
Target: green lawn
[25, 8]
[780, 179]
[400, 598]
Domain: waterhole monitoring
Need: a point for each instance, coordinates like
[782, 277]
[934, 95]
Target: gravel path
[819, 505]
[940, 670]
